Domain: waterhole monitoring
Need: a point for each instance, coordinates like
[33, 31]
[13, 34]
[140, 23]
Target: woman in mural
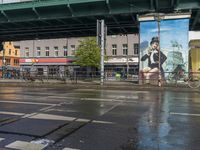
[152, 56]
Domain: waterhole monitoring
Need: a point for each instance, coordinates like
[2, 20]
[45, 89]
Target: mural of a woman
[152, 56]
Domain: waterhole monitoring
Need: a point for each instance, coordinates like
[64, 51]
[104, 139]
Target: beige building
[194, 56]
[56, 55]
[9, 60]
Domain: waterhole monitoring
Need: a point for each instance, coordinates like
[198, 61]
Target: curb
[107, 86]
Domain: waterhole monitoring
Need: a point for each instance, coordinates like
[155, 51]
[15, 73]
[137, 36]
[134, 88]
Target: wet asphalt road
[91, 119]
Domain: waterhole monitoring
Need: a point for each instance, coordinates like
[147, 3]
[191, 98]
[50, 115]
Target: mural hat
[154, 39]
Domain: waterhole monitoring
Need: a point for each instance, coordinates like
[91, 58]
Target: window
[26, 52]
[47, 51]
[16, 62]
[56, 51]
[38, 52]
[65, 50]
[40, 71]
[114, 49]
[7, 61]
[125, 49]
[16, 51]
[136, 48]
[73, 49]
[53, 70]
[9, 52]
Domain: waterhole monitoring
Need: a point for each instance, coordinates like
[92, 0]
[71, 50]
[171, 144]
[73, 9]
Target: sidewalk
[116, 85]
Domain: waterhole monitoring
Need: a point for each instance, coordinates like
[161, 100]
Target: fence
[165, 79]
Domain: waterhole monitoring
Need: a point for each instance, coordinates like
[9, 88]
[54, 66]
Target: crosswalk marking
[11, 113]
[22, 145]
[184, 114]
[52, 117]
[70, 149]
[1, 139]
[29, 103]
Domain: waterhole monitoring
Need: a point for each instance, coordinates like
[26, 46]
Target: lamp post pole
[158, 19]
[3, 61]
[101, 36]
[127, 57]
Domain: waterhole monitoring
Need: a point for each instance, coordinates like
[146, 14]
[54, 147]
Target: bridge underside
[74, 18]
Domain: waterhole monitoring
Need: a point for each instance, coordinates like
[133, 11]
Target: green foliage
[88, 53]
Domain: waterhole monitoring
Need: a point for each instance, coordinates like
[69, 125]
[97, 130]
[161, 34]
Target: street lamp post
[127, 57]
[3, 61]
[158, 18]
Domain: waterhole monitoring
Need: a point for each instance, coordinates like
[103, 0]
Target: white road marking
[45, 142]
[187, 99]
[70, 149]
[52, 117]
[106, 100]
[58, 97]
[83, 120]
[99, 99]
[22, 145]
[111, 108]
[11, 113]
[102, 122]
[29, 103]
[60, 110]
[184, 114]
[29, 115]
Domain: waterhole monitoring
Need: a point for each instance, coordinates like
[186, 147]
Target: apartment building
[194, 55]
[57, 55]
[9, 60]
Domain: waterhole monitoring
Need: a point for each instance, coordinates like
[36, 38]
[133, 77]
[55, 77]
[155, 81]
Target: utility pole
[158, 18]
[3, 58]
[101, 36]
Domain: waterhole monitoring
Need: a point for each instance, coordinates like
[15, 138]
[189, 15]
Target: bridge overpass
[38, 19]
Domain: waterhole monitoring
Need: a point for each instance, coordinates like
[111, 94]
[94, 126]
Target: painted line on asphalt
[113, 91]
[11, 113]
[105, 99]
[29, 103]
[52, 117]
[1, 139]
[102, 122]
[111, 108]
[60, 110]
[185, 114]
[60, 97]
[186, 98]
[70, 149]
[49, 107]
[22, 145]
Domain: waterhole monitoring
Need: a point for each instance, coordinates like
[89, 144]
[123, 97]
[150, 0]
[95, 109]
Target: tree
[88, 53]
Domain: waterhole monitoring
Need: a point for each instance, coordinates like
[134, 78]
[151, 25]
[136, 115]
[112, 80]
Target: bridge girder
[61, 18]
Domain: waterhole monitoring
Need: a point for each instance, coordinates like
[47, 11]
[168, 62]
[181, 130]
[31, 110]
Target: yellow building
[9, 63]
[194, 56]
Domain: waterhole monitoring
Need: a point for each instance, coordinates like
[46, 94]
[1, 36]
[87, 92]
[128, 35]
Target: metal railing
[177, 79]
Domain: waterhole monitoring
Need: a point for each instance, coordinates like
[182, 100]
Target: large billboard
[163, 47]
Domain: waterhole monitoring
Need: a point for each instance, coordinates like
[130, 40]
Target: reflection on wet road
[94, 119]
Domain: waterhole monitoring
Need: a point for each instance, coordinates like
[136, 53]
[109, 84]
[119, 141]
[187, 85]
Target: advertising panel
[163, 47]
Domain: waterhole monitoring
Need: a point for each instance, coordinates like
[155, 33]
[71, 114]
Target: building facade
[194, 56]
[9, 60]
[56, 55]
